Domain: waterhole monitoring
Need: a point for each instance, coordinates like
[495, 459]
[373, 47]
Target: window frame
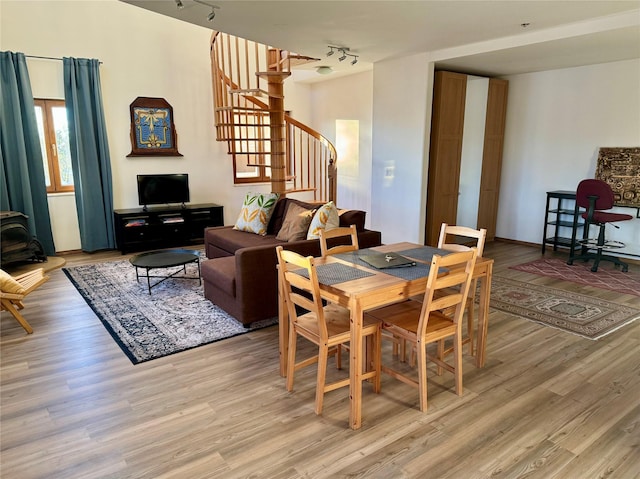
[51, 146]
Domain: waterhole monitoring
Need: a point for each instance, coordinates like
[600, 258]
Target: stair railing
[240, 71]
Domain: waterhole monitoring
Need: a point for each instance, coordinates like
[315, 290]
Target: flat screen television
[163, 189]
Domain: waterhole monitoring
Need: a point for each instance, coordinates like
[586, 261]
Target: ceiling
[478, 37]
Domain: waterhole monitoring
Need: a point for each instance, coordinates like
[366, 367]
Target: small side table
[565, 214]
[165, 259]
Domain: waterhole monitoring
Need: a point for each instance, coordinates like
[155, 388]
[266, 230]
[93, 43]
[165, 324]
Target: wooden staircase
[264, 141]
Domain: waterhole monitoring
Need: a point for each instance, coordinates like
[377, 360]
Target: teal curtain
[89, 153]
[22, 180]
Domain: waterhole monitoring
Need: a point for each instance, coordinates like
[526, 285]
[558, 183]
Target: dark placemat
[420, 270]
[423, 253]
[335, 273]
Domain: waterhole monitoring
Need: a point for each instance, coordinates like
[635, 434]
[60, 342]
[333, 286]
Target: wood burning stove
[17, 242]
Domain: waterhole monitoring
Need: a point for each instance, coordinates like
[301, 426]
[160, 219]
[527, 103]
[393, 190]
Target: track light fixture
[212, 13]
[343, 51]
[179, 4]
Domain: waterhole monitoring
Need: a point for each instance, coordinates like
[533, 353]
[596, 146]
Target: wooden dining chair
[325, 326]
[325, 250]
[343, 231]
[465, 239]
[423, 322]
[14, 289]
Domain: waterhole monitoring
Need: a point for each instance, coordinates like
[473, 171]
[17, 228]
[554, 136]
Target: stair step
[299, 190]
[256, 110]
[273, 74]
[255, 92]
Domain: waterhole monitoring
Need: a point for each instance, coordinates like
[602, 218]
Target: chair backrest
[453, 286]
[461, 231]
[342, 231]
[297, 271]
[599, 188]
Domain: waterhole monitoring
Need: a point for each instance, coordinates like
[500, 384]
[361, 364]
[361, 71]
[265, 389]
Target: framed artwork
[152, 130]
[620, 168]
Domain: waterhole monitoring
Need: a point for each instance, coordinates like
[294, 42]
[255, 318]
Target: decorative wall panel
[620, 168]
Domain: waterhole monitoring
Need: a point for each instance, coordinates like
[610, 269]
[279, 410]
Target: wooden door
[492, 156]
[447, 124]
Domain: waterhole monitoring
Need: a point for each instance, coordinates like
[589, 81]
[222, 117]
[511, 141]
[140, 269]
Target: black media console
[164, 227]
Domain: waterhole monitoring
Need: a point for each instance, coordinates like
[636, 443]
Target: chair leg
[377, 359]
[323, 357]
[440, 356]
[422, 374]
[291, 361]
[470, 326]
[457, 363]
[16, 314]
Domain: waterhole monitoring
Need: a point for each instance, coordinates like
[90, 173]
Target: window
[51, 116]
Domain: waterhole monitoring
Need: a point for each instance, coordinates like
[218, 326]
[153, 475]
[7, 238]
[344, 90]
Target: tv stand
[146, 228]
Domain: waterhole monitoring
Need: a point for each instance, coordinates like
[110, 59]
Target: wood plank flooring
[548, 404]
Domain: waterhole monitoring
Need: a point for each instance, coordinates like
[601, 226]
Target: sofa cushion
[222, 273]
[352, 217]
[280, 211]
[256, 212]
[231, 240]
[296, 223]
[326, 218]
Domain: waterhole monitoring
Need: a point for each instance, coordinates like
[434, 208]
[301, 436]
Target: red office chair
[595, 196]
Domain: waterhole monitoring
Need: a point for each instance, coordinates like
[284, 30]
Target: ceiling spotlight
[324, 70]
[343, 53]
[179, 4]
[212, 14]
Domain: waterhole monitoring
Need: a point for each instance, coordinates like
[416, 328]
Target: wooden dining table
[373, 288]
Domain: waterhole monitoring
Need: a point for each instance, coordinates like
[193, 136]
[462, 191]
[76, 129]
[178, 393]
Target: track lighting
[344, 54]
[212, 13]
[179, 4]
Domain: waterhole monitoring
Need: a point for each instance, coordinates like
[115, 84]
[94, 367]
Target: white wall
[142, 54]
[401, 118]
[556, 122]
[348, 98]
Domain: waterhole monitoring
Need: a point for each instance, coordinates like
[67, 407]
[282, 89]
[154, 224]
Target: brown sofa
[240, 273]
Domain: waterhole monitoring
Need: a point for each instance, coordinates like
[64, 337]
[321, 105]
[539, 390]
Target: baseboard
[518, 242]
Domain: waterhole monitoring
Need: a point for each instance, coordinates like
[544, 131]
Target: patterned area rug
[586, 316]
[580, 272]
[173, 318]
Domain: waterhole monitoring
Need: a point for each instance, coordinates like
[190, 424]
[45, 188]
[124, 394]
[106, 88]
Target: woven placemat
[409, 273]
[335, 273]
[423, 253]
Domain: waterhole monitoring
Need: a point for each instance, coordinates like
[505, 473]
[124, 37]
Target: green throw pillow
[256, 212]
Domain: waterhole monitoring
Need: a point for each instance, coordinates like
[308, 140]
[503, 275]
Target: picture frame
[153, 132]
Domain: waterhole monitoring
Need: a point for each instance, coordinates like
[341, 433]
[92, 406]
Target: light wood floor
[547, 405]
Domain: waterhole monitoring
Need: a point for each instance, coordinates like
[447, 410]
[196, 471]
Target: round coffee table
[165, 259]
